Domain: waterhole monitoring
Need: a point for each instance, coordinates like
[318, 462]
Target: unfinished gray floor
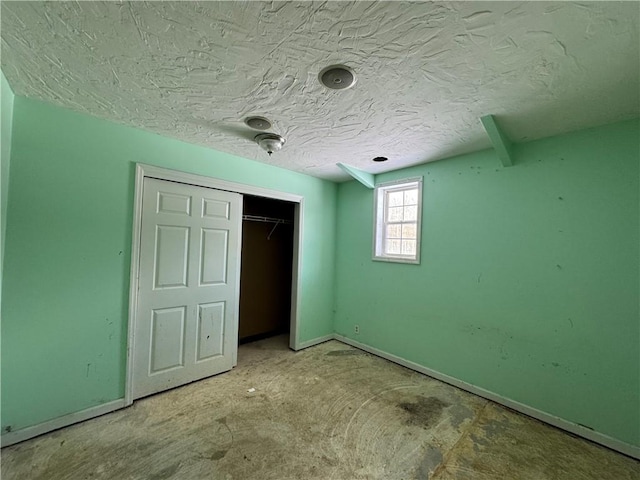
[328, 412]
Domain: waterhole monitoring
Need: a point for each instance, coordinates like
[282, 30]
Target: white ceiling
[426, 72]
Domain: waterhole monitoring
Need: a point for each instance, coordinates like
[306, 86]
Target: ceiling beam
[501, 143]
[366, 179]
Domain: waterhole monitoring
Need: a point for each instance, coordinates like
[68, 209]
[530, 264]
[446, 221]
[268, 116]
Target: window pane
[410, 214]
[411, 197]
[393, 247]
[395, 199]
[409, 231]
[408, 247]
[395, 214]
[397, 221]
[394, 231]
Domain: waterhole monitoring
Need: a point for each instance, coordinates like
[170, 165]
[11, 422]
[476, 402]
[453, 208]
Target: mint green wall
[68, 253]
[6, 110]
[529, 282]
[528, 285]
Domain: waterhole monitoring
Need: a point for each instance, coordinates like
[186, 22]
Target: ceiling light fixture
[258, 123]
[270, 142]
[380, 159]
[337, 77]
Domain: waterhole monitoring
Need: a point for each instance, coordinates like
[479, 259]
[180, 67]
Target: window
[397, 228]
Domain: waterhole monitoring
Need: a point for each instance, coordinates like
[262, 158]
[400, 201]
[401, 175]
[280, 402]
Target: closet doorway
[286, 209]
[266, 268]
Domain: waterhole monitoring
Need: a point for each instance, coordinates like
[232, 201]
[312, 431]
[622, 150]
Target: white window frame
[379, 228]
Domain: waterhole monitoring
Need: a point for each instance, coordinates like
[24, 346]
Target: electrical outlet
[356, 329]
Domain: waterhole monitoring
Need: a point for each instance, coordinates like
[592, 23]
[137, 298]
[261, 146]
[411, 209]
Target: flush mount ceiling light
[337, 77]
[270, 142]
[380, 159]
[258, 123]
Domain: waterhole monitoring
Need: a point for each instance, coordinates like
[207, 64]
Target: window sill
[412, 261]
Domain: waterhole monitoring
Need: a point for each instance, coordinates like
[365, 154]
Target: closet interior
[266, 274]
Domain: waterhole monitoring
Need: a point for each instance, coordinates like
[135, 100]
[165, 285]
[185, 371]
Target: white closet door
[187, 316]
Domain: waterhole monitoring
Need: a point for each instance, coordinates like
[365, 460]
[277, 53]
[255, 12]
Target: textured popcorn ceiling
[426, 72]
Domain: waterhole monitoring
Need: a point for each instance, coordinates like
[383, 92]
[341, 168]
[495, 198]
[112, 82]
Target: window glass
[395, 199]
[410, 214]
[395, 214]
[397, 229]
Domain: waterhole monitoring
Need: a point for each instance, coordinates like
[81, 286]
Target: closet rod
[256, 218]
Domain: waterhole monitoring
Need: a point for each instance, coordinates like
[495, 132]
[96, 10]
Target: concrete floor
[328, 412]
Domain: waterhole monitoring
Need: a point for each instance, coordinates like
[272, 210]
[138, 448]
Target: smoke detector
[258, 123]
[337, 77]
[270, 142]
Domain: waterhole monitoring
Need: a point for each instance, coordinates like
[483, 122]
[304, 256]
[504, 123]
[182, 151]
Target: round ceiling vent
[258, 123]
[337, 77]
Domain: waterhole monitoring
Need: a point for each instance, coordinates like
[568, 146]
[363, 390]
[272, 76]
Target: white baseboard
[64, 421]
[312, 342]
[612, 443]
[602, 439]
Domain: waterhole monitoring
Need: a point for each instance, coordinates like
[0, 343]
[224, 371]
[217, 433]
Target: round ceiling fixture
[258, 123]
[337, 77]
[270, 142]
[380, 159]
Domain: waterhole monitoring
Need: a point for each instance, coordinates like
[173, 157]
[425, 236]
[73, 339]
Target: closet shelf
[256, 218]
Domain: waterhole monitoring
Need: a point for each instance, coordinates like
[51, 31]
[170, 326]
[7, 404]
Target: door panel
[215, 208]
[187, 314]
[172, 256]
[172, 203]
[167, 339]
[213, 258]
[210, 330]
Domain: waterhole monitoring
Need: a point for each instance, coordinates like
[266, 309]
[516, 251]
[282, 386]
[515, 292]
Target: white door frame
[150, 171]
